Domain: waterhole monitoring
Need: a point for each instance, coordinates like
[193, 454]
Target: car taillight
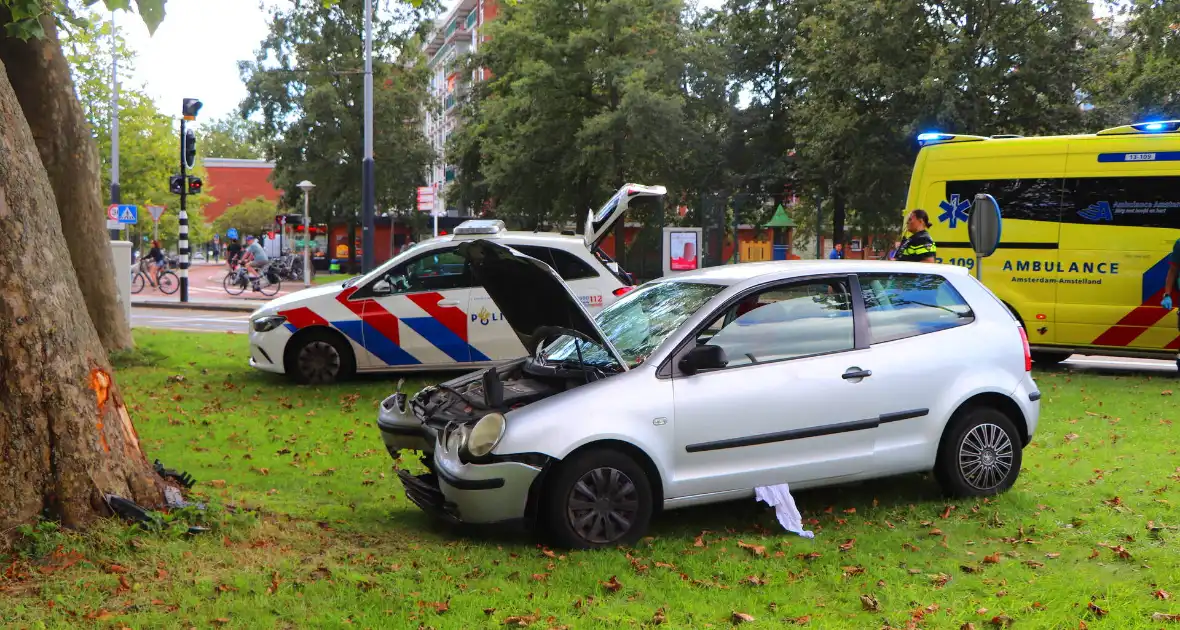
[1027, 352]
[621, 291]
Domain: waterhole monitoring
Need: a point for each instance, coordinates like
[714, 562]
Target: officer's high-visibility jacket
[917, 248]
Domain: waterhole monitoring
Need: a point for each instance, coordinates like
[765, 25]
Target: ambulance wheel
[1045, 358]
[319, 356]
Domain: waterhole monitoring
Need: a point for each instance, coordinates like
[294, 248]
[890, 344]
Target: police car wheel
[980, 454]
[320, 357]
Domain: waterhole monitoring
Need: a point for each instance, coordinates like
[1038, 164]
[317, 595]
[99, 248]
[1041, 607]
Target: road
[189, 320]
[205, 285]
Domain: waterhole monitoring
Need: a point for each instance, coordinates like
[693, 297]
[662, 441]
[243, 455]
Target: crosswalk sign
[128, 214]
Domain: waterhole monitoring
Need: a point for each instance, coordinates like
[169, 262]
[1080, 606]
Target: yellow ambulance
[1089, 225]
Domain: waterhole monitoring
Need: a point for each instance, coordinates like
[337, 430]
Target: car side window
[567, 265]
[435, 270]
[785, 322]
[901, 305]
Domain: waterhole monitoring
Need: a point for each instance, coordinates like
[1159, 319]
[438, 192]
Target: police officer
[919, 247]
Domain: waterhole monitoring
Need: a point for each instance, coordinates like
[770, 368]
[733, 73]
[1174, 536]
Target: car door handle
[854, 373]
[448, 302]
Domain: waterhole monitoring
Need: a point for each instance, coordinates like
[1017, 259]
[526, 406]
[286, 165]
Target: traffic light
[175, 184]
[190, 148]
[194, 185]
[190, 107]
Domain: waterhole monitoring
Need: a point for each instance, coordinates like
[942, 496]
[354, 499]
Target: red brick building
[233, 181]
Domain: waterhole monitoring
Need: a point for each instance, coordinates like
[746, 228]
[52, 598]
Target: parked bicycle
[290, 267]
[141, 276]
[238, 280]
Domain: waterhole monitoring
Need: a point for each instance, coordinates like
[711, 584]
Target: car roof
[521, 237]
[754, 272]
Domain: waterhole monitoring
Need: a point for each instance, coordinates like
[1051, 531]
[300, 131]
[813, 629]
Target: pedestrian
[837, 252]
[919, 247]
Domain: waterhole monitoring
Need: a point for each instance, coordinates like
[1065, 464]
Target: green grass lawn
[311, 529]
[330, 278]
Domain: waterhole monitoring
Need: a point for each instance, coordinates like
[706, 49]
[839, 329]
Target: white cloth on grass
[779, 497]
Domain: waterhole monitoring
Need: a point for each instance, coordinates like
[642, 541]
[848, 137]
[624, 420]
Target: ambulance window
[1127, 201]
[1028, 199]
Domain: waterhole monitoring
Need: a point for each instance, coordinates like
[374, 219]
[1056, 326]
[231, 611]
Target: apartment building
[455, 35]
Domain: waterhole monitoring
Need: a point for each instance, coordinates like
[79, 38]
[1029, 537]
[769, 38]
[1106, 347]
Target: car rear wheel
[980, 454]
[320, 357]
[598, 498]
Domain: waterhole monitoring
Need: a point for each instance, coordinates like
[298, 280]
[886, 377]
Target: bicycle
[238, 279]
[169, 282]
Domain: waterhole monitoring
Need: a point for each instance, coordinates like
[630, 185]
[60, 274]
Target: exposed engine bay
[498, 389]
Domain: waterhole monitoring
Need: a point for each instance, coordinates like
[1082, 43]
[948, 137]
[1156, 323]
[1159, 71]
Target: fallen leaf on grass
[870, 603]
[217, 483]
[489, 611]
[1002, 621]
[221, 621]
[658, 617]
[801, 621]
[274, 584]
[855, 570]
[665, 565]
[967, 626]
[1113, 502]
[757, 550]
[1161, 594]
[1093, 554]
[935, 532]
[1069, 437]
[947, 512]
[1165, 617]
[809, 556]
[612, 585]
[741, 617]
[848, 544]
[754, 580]
[1034, 564]
[969, 568]
[522, 621]
[116, 568]
[940, 580]
[1092, 607]
[1166, 392]
[1052, 555]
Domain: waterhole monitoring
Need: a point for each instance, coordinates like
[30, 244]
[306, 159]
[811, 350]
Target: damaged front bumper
[401, 430]
[492, 493]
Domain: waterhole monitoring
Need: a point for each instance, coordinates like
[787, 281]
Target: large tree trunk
[65, 436]
[40, 77]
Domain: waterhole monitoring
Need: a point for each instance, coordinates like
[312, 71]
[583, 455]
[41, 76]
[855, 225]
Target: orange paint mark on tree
[100, 382]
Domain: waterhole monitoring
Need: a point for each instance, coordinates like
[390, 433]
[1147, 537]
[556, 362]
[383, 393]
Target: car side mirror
[702, 358]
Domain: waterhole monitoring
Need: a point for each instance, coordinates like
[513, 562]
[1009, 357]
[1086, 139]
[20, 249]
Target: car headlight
[485, 435]
[271, 322]
[456, 440]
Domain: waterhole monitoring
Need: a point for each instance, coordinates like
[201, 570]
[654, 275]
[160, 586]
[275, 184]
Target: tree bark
[40, 76]
[65, 436]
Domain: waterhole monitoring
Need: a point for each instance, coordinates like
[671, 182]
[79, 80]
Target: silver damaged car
[701, 387]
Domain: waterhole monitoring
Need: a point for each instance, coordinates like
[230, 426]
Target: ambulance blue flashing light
[1157, 126]
[931, 136]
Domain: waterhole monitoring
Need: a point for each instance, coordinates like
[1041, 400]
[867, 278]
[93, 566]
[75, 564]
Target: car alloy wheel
[319, 362]
[602, 505]
[986, 456]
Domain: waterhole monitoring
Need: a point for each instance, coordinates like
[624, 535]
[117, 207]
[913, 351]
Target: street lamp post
[368, 186]
[306, 187]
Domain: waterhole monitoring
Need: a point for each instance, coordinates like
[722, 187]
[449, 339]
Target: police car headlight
[485, 435]
[264, 324]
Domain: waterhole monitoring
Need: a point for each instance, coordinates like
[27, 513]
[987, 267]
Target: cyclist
[233, 253]
[155, 260]
[256, 260]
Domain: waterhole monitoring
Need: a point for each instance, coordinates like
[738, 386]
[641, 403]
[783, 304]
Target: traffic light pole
[183, 217]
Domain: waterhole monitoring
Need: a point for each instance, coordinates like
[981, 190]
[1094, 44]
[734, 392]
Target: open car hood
[600, 223]
[532, 297]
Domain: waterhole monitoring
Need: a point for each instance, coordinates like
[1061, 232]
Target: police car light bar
[1153, 126]
[480, 226]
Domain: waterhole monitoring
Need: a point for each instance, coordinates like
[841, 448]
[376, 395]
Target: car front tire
[598, 498]
[320, 357]
[980, 454]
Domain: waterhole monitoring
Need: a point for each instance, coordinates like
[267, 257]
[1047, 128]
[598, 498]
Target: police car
[422, 310]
